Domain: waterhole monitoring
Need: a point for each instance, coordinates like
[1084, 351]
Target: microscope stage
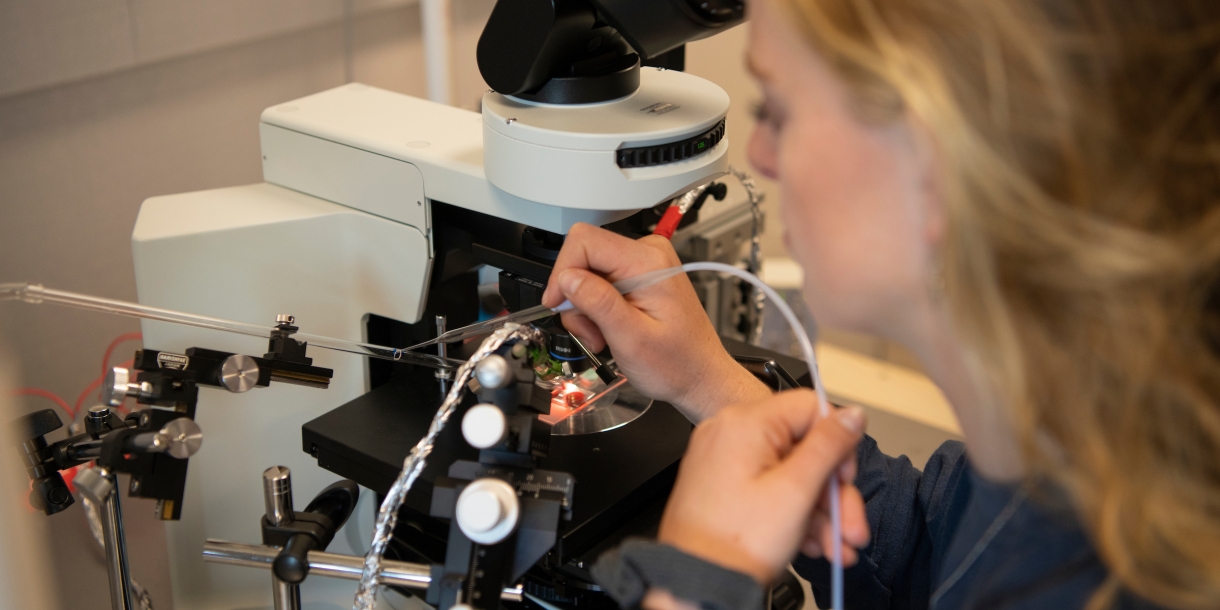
[618, 473]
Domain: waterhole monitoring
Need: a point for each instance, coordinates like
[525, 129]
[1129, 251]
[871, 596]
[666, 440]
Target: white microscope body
[342, 228]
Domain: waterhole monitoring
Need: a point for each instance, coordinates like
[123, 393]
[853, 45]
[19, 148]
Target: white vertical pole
[436, 25]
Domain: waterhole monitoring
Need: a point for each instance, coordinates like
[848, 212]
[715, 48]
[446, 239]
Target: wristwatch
[627, 572]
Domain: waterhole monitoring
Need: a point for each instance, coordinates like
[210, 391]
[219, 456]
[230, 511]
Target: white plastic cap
[479, 511]
[484, 426]
[487, 510]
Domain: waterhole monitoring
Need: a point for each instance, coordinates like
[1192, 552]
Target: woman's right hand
[661, 337]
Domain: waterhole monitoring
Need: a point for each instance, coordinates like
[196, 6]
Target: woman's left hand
[750, 490]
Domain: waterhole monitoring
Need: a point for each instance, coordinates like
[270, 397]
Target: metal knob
[484, 426]
[239, 373]
[116, 387]
[285, 319]
[277, 494]
[487, 511]
[183, 436]
[493, 372]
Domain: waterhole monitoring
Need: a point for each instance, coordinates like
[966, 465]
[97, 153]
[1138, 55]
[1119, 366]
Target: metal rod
[333, 565]
[442, 350]
[277, 495]
[116, 547]
[285, 596]
[277, 502]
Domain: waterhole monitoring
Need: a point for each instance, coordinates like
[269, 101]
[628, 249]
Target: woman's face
[856, 201]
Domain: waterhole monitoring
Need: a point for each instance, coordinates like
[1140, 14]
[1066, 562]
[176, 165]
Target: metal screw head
[285, 319]
[114, 390]
[510, 121]
[99, 412]
[238, 373]
[492, 372]
[184, 437]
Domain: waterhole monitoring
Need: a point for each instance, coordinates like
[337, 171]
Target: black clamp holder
[117, 445]
[490, 549]
[298, 533]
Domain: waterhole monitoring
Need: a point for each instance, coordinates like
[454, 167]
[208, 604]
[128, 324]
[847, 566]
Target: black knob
[292, 564]
[50, 494]
[36, 424]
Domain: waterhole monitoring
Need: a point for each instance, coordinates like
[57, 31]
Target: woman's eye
[759, 111]
[764, 114]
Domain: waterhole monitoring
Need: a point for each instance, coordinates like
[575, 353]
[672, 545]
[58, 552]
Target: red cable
[669, 222]
[97, 383]
[63, 404]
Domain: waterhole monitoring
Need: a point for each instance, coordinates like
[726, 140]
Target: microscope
[378, 216]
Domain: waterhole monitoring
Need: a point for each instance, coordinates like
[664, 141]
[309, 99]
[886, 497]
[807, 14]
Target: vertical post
[116, 545]
[435, 17]
[442, 350]
[277, 499]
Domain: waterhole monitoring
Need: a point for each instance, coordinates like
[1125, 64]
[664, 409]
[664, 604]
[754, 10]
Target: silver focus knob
[184, 437]
[484, 426]
[116, 387]
[238, 373]
[277, 495]
[487, 510]
[493, 372]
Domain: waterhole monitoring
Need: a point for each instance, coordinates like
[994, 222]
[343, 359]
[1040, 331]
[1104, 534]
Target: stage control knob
[493, 372]
[487, 511]
[484, 426]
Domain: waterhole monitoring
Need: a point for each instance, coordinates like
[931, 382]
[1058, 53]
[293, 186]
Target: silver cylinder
[332, 565]
[148, 442]
[117, 570]
[286, 596]
[277, 494]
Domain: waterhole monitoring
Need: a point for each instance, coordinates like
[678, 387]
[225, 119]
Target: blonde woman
[1025, 193]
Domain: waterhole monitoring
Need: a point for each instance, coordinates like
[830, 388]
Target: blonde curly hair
[1081, 149]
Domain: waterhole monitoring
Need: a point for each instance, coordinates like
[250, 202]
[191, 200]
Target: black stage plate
[620, 474]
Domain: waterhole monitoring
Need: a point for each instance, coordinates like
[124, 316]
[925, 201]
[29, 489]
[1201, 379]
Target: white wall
[104, 103]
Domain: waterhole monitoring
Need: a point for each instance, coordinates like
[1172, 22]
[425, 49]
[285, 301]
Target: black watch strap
[627, 572]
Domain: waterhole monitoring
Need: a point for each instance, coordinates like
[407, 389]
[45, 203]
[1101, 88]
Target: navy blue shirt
[947, 539]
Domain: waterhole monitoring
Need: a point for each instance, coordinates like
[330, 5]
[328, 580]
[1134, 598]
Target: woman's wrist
[661, 599]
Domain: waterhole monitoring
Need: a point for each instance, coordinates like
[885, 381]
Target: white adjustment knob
[487, 511]
[480, 511]
[493, 372]
[484, 426]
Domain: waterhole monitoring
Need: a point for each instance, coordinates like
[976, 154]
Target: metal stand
[101, 487]
[331, 565]
[277, 498]
[442, 350]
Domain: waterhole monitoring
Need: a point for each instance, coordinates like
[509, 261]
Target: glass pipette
[36, 294]
[525, 316]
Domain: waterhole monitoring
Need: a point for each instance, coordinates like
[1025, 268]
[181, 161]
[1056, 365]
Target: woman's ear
[931, 184]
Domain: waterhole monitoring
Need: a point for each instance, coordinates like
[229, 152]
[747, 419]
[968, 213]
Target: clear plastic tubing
[811, 360]
[35, 294]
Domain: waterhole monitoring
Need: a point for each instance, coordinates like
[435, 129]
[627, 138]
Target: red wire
[669, 222]
[113, 344]
[63, 404]
[97, 383]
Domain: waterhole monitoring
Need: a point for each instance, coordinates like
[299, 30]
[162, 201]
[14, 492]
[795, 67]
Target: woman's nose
[762, 153]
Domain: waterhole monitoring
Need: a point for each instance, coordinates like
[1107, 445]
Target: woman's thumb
[817, 456]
